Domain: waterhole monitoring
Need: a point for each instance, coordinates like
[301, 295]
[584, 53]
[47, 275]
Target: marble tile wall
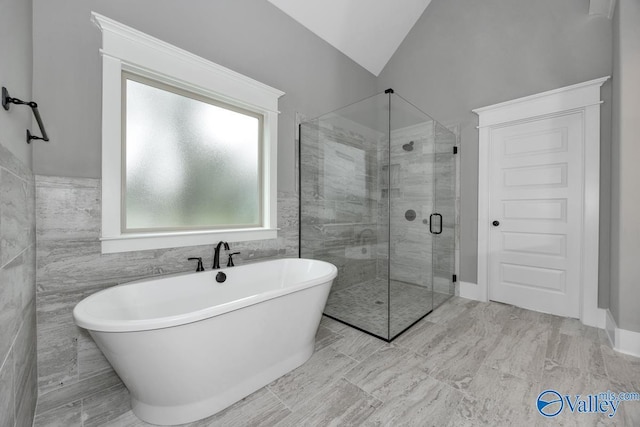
[18, 391]
[72, 373]
[412, 189]
[424, 181]
[339, 209]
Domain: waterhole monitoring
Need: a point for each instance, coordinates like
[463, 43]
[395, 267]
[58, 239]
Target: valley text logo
[550, 403]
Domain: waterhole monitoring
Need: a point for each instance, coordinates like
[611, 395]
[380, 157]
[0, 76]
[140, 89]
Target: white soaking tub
[187, 346]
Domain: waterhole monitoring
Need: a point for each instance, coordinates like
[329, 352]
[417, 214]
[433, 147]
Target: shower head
[408, 147]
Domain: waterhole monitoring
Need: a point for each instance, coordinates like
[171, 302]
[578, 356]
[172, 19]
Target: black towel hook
[7, 100]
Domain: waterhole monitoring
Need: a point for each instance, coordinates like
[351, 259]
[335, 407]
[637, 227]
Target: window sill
[148, 241]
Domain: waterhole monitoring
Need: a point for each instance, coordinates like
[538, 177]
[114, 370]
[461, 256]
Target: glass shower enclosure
[377, 199]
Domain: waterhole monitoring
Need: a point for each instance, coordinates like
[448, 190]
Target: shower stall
[377, 199]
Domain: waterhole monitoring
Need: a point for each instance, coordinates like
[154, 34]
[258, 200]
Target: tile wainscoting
[75, 381]
[18, 391]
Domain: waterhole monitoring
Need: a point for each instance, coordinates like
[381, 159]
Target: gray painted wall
[465, 54]
[625, 226]
[15, 75]
[251, 37]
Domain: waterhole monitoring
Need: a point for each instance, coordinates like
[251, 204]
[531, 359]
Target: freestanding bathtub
[187, 346]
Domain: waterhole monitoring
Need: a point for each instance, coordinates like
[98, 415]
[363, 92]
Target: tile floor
[466, 364]
[365, 305]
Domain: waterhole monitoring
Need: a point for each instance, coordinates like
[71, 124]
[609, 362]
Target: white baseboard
[472, 291]
[622, 340]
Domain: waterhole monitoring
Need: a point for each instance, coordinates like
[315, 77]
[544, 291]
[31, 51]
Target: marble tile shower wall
[18, 373]
[339, 186]
[76, 383]
[410, 183]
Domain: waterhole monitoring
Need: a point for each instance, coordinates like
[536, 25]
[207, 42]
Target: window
[188, 147]
[190, 162]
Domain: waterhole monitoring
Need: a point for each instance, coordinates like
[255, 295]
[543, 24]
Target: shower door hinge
[454, 278]
[455, 150]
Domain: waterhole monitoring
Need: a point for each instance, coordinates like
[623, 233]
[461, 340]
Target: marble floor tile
[426, 403]
[457, 362]
[575, 328]
[389, 372]
[629, 413]
[423, 336]
[343, 404]
[321, 370]
[521, 320]
[333, 324]
[472, 327]
[622, 370]
[105, 405]
[450, 310]
[521, 356]
[325, 337]
[574, 351]
[496, 398]
[357, 344]
[261, 408]
[128, 419]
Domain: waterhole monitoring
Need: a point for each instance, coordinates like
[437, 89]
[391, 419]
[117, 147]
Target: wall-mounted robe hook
[7, 100]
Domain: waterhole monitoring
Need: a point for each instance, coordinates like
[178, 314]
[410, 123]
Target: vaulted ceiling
[367, 31]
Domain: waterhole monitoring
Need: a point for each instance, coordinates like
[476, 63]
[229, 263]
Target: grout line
[25, 180]
[273, 393]
[382, 402]
[20, 253]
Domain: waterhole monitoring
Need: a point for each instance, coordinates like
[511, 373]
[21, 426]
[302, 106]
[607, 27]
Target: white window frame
[127, 49]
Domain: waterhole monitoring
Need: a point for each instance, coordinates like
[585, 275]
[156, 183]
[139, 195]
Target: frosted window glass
[189, 164]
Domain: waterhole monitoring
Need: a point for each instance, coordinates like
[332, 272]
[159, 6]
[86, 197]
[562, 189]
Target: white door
[536, 205]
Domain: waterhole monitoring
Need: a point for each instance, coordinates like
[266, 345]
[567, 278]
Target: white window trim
[127, 49]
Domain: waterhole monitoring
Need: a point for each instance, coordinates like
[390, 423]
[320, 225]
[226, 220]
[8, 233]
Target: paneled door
[536, 204]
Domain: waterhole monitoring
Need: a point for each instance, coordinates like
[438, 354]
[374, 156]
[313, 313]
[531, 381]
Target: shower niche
[377, 199]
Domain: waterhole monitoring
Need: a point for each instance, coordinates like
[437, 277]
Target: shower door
[411, 195]
[444, 208]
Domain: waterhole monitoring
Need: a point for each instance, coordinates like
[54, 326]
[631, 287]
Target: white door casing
[581, 100]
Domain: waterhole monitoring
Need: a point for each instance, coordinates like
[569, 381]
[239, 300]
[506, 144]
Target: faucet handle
[230, 262]
[200, 266]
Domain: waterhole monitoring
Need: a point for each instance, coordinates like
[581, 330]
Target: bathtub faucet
[216, 254]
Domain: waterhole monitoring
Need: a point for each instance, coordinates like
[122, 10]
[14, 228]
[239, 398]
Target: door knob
[496, 223]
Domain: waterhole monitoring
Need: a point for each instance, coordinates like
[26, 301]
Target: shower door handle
[431, 223]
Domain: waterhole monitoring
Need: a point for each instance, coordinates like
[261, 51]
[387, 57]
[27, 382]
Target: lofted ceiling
[367, 31]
